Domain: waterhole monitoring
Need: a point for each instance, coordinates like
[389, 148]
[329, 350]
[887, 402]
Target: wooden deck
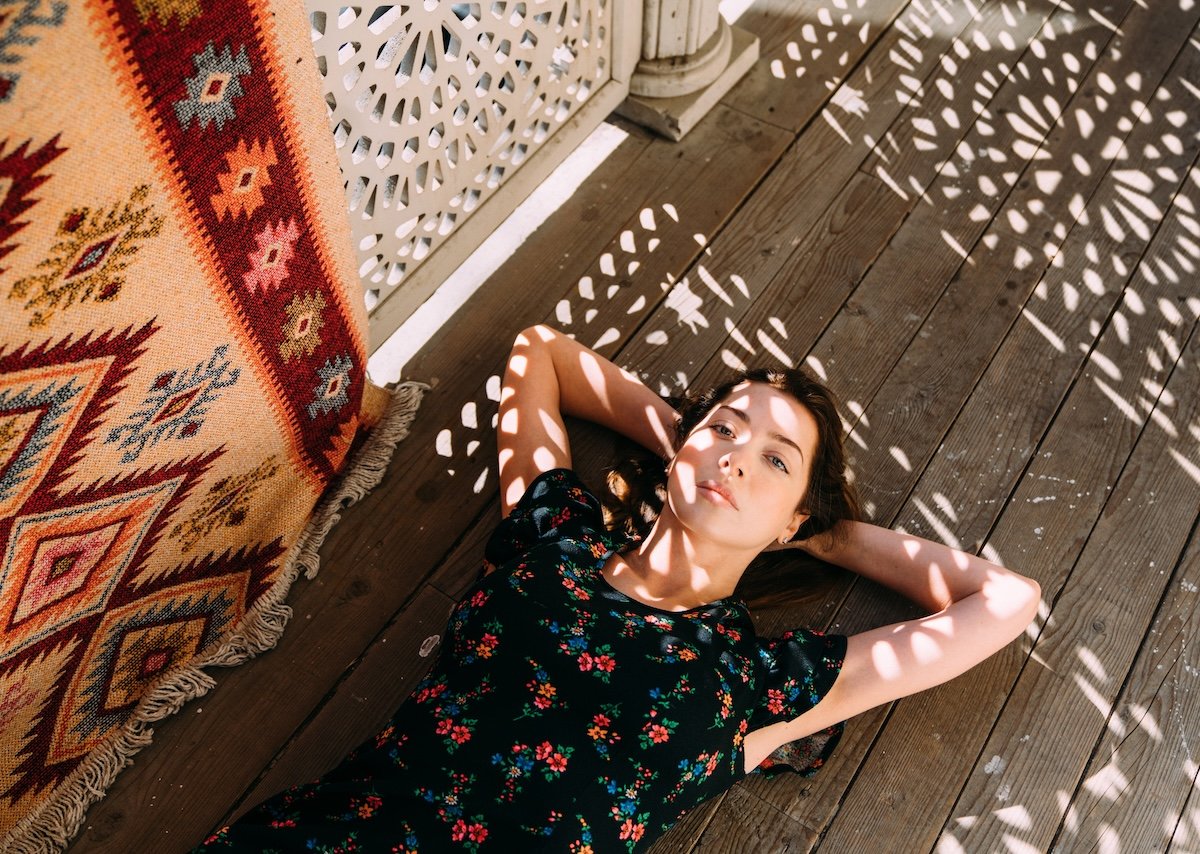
[980, 221]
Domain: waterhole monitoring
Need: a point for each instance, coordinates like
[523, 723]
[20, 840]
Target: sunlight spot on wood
[638, 305]
[610, 335]
[855, 407]
[954, 244]
[819, 369]
[939, 527]
[562, 312]
[627, 242]
[612, 291]
[736, 335]
[492, 387]
[943, 504]
[468, 416]
[442, 444]
[1092, 695]
[774, 349]
[1046, 331]
[1070, 296]
[700, 239]
[472, 446]
[586, 289]
[1103, 362]
[713, 285]
[590, 315]
[1169, 343]
[1193, 470]
[1093, 664]
[669, 210]
[732, 361]
[1146, 721]
[657, 338]
[607, 266]
[1123, 406]
[947, 844]
[480, 481]
[1015, 816]
[646, 218]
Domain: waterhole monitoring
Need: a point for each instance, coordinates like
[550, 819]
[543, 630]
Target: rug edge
[54, 825]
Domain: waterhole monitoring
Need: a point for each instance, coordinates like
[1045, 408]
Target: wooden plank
[261, 705]
[920, 395]
[1137, 784]
[1058, 708]
[806, 50]
[879, 311]
[801, 189]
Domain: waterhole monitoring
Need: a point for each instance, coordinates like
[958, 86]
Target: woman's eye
[778, 463]
[722, 430]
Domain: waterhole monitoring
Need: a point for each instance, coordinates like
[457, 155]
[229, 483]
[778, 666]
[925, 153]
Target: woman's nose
[730, 464]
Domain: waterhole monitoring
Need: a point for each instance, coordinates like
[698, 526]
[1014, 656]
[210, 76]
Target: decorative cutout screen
[436, 105]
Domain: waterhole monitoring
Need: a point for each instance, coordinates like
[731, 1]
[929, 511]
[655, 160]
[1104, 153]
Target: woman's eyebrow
[779, 437]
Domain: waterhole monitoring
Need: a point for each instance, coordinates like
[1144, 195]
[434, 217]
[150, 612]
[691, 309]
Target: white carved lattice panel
[435, 105]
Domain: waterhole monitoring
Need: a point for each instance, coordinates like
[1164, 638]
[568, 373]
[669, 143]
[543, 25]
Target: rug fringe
[52, 827]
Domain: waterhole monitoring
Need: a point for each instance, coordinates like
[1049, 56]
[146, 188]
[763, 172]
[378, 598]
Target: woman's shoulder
[556, 506]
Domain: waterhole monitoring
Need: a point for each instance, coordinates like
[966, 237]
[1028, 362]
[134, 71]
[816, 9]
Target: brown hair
[637, 486]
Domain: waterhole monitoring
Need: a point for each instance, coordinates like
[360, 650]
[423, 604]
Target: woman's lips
[713, 487]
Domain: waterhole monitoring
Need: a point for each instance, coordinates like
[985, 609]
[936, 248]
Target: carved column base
[671, 95]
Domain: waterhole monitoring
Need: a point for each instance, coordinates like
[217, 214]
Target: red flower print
[659, 733]
[460, 734]
[476, 832]
[605, 663]
[585, 662]
[459, 832]
[557, 762]
[629, 830]
[478, 599]
[602, 720]
[543, 750]
[774, 701]
[444, 726]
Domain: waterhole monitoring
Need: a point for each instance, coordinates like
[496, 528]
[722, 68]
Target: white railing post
[690, 58]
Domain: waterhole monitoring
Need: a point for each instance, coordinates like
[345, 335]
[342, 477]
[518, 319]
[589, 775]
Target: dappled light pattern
[1019, 209]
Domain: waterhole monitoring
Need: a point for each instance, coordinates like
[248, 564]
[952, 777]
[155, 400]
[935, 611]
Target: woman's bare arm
[978, 609]
[550, 375]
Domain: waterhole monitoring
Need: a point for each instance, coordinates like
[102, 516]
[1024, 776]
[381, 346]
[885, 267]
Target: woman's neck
[675, 570]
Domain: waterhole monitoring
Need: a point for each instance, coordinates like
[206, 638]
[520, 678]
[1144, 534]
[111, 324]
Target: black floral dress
[561, 715]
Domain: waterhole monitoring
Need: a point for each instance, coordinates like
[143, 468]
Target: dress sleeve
[801, 667]
[555, 506]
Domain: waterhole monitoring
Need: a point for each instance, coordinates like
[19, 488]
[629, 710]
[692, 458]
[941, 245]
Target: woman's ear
[793, 526]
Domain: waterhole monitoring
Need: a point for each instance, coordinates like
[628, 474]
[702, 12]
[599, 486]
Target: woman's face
[739, 477]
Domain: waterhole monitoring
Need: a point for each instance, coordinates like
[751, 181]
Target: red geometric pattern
[182, 362]
[20, 174]
[210, 115]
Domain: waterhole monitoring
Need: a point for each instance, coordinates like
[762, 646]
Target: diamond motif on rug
[61, 566]
[132, 647]
[40, 408]
[20, 174]
[94, 248]
[175, 406]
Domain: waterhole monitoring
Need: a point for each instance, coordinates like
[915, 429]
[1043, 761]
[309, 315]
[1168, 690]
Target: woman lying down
[594, 686]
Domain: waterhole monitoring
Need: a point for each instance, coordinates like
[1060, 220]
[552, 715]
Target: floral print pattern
[561, 715]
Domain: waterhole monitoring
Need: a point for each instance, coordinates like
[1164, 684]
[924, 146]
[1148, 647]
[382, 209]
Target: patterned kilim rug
[181, 371]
